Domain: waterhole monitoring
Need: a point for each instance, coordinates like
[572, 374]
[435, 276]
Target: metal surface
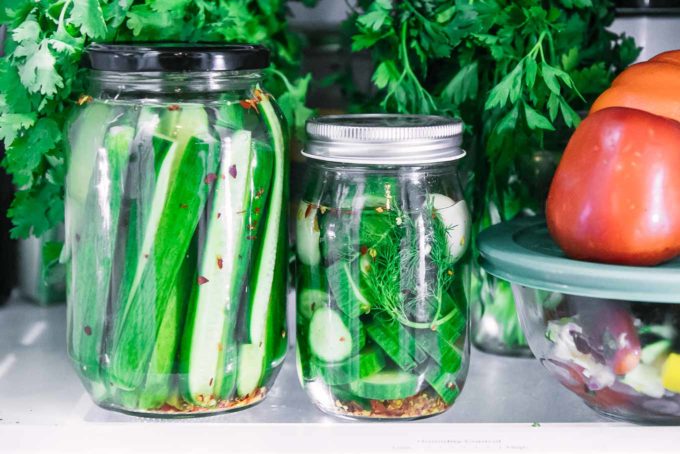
[384, 139]
[507, 405]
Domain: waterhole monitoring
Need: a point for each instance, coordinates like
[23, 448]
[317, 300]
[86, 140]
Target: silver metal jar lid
[384, 139]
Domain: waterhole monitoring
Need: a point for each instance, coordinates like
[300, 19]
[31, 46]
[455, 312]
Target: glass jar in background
[176, 195]
[382, 240]
[495, 323]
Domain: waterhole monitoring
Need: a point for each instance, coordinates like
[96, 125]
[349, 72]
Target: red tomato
[615, 197]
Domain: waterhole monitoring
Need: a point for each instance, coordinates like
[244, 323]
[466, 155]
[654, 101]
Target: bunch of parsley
[516, 72]
[41, 79]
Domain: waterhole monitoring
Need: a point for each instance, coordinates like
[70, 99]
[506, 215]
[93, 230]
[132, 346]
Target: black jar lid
[160, 57]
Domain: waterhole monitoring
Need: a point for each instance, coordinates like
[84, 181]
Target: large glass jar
[382, 239]
[176, 194]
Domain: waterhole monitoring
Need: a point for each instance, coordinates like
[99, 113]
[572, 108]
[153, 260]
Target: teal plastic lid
[522, 252]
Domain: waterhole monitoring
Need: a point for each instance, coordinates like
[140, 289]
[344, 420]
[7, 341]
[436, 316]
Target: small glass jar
[495, 324]
[176, 196]
[382, 239]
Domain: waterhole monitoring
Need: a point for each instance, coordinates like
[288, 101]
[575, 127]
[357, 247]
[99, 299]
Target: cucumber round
[308, 235]
[456, 217]
[368, 362]
[329, 338]
[386, 385]
[309, 300]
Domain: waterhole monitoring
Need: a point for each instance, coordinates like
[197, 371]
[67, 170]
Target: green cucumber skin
[369, 361]
[387, 385]
[343, 280]
[93, 251]
[136, 331]
[159, 380]
[443, 382]
[225, 253]
[85, 134]
[397, 342]
[268, 284]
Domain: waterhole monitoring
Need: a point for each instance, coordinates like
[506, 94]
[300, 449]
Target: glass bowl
[610, 334]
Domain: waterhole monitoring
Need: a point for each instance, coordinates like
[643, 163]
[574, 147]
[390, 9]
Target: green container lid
[522, 252]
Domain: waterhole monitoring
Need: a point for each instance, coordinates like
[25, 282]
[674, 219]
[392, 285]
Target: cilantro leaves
[41, 78]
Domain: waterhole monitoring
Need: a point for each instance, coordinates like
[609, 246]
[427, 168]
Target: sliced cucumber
[93, 250]
[309, 300]
[250, 368]
[387, 385]
[308, 235]
[369, 361]
[86, 136]
[456, 218]
[329, 337]
[345, 289]
[443, 382]
[211, 310]
[444, 354]
[159, 385]
[178, 200]
[268, 292]
[397, 342]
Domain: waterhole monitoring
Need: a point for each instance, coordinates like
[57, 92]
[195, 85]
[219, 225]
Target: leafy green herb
[42, 81]
[517, 73]
[396, 260]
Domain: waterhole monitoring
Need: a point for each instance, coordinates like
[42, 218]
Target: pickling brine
[175, 239]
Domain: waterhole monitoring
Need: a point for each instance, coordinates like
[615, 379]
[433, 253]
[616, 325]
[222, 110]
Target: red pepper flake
[88, 330]
[257, 210]
[202, 280]
[219, 262]
[173, 107]
[209, 178]
[252, 226]
[259, 193]
[219, 347]
[84, 99]
[260, 344]
[211, 381]
[183, 206]
[342, 339]
[363, 250]
[219, 215]
[232, 171]
[77, 237]
[249, 104]
[308, 211]
[146, 256]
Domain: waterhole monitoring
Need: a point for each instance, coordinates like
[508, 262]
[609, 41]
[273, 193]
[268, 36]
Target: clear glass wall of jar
[382, 240]
[176, 196]
[495, 323]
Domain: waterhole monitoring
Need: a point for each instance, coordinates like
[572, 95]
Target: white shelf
[507, 404]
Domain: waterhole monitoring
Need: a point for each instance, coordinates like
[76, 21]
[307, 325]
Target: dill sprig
[411, 268]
